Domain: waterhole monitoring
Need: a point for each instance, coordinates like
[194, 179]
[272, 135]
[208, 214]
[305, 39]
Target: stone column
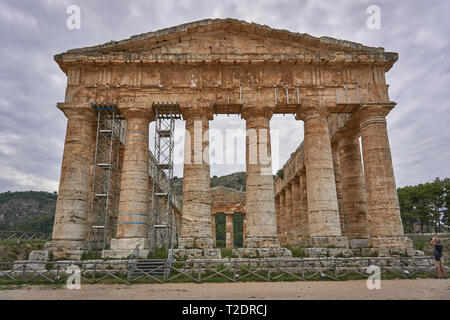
[282, 219]
[338, 179]
[213, 228]
[196, 209]
[260, 203]
[353, 190]
[244, 229]
[323, 212]
[72, 206]
[296, 211]
[133, 217]
[303, 207]
[277, 213]
[229, 234]
[383, 211]
[288, 219]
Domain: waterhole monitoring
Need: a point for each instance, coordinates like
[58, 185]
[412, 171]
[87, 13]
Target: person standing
[438, 260]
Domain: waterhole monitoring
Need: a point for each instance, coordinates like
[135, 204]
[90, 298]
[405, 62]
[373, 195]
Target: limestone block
[38, 255]
[65, 249]
[358, 243]
[129, 244]
[207, 253]
[261, 252]
[316, 241]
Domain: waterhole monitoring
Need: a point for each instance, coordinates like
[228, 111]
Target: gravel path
[353, 289]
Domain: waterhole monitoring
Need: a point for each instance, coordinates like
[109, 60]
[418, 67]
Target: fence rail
[24, 235]
[235, 270]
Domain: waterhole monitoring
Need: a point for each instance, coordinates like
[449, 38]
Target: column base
[195, 243]
[262, 242]
[327, 242]
[358, 243]
[123, 248]
[66, 249]
[391, 242]
[274, 252]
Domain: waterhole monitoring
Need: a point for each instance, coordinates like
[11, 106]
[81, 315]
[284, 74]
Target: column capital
[77, 110]
[197, 112]
[306, 111]
[254, 112]
[370, 110]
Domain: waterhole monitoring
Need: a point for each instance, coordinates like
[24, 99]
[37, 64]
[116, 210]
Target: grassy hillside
[234, 180]
[30, 210]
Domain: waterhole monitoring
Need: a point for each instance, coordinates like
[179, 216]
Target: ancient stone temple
[326, 197]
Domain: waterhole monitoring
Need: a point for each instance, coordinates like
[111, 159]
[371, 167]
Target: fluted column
[133, 217]
[353, 189]
[69, 230]
[383, 211]
[282, 219]
[244, 229]
[338, 180]
[213, 228]
[296, 211]
[229, 232]
[288, 223]
[323, 215]
[196, 209]
[277, 213]
[304, 223]
[260, 203]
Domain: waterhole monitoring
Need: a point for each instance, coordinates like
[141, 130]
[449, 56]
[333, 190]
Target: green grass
[226, 253]
[160, 253]
[11, 250]
[297, 251]
[91, 255]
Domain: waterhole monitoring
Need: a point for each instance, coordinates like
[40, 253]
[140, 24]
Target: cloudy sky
[32, 129]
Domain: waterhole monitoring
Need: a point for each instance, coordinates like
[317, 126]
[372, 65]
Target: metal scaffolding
[162, 196]
[105, 181]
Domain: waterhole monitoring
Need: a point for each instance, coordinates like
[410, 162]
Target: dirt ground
[316, 290]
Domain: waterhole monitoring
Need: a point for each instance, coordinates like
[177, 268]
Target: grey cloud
[32, 130]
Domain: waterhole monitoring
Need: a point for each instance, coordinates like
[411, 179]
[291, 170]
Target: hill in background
[234, 180]
[27, 211]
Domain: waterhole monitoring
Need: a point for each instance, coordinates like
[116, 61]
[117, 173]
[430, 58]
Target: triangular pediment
[224, 36]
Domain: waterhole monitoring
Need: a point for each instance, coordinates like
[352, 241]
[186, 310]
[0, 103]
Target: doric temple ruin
[330, 194]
